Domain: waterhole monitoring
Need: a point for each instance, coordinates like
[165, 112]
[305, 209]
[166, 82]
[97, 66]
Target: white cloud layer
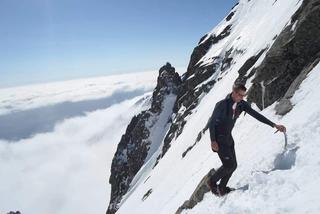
[39, 95]
[67, 170]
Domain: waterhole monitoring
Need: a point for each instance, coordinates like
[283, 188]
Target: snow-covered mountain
[143, 135]
[272, 46]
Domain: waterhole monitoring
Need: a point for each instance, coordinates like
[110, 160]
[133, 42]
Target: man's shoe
[213, 187]
[228, 189]
[224, 190]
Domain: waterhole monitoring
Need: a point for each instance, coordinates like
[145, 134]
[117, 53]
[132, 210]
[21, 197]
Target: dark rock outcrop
[229, 17]
[285, 105]
[167, 82]
[204, 45]
[247, 66]
[146, 195]
[198, 194]
[201, 190]
[295, 49]
[134, 145]
[199, 136]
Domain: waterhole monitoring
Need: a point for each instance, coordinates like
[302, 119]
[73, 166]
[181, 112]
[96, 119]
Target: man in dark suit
[221, 124]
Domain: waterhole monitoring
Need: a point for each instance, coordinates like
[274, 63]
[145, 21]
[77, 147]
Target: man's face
[238, 95]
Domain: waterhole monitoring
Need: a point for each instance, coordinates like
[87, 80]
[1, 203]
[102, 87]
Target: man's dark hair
[239, 86]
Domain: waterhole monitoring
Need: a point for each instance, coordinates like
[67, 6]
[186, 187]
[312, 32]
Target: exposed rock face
[204, 45]
[198, 193]
[134, 145]
[294, 50]
[285, 105]
[243, 76]
[168, 82]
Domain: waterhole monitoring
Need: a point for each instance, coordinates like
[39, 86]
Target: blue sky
[49, 40]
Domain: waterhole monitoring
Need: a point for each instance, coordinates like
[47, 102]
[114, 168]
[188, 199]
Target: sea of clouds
[57, 141]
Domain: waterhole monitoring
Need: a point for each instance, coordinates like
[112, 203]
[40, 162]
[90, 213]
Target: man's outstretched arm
[261, 118]
[257, 115]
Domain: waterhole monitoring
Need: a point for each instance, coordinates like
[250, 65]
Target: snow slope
[292, 189]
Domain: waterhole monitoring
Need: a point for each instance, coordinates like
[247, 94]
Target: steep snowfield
[286, 187]
[293, 190]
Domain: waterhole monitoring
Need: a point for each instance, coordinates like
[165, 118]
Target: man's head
[238, 92]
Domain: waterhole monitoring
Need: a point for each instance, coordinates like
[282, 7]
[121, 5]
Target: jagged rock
[134, 145]
[203, 46]
[296, 47]
[284, 105]
[198, 194]
[234, 5]
[145, 196]
[226, 61]
[229, 16]
[200, 134]
[246, 66]
[167, 79]
[14, 212]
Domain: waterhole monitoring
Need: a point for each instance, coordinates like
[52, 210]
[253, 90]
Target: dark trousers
[228, 158]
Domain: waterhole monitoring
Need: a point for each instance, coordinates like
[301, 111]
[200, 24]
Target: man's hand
[214, 146]
[280, 128]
